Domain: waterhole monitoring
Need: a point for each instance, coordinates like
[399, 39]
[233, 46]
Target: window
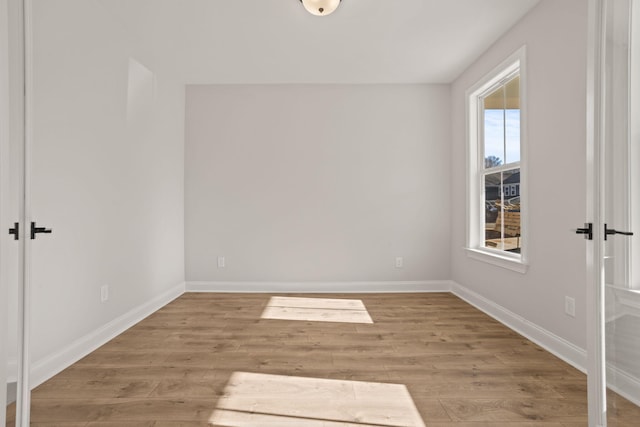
[496, 184]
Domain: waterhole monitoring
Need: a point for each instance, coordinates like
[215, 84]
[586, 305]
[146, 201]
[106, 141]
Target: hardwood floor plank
[502, 424]
[488, 388]
[180, 388]
[133, 357]
[122, 410]
[59, 424]
[57, 388]
[516, 410]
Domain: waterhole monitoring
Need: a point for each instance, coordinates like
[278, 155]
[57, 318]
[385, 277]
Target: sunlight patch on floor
[265, 400]
[317, 310]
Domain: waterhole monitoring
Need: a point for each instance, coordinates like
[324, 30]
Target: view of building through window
[501, 169]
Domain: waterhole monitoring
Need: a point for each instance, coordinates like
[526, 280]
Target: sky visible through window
[495, 130]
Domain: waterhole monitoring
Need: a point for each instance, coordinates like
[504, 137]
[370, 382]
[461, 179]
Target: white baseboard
[322, 287]
[46, 368]
[624, 384]
[570, 353]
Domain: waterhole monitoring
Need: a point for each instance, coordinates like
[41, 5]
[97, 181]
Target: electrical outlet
[221, 262]
[399, 262]
[570, 306]
[104, 293]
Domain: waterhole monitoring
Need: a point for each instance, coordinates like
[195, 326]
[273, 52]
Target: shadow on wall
[12, 392]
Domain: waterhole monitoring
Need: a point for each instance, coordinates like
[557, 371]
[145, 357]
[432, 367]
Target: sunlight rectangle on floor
[316, 310]
[252, 399]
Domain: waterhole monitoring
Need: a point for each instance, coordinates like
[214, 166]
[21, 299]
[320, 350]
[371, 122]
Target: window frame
[515, 63]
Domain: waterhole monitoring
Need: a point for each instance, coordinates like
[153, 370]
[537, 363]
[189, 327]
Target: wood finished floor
[462, 368]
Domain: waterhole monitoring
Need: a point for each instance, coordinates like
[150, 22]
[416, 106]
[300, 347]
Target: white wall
[555, 33]
[308, 183]
[108, 177]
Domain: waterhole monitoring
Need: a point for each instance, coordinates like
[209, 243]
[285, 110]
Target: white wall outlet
[399, 262]
[222, 263]
[570, 306]
[104, 293]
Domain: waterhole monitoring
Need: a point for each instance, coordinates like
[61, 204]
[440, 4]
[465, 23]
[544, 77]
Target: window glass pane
[512, 121]
[502, 213]
[493, 138]
[492, 202]
[512, 131]
[494, 125]
[511, 180]
[509, 216]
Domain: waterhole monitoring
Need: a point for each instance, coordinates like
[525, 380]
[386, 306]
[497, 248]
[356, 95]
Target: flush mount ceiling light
[320, 7]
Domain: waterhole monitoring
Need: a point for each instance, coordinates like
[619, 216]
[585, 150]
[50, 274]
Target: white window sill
[498, 259]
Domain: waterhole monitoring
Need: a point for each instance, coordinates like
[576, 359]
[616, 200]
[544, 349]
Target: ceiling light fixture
[320, 7]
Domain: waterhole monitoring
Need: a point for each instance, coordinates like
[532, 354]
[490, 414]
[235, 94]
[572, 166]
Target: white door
[614, 332]
[5, 218]
[12, 229]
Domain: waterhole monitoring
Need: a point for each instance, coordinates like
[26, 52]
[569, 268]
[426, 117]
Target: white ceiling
[277, 41]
